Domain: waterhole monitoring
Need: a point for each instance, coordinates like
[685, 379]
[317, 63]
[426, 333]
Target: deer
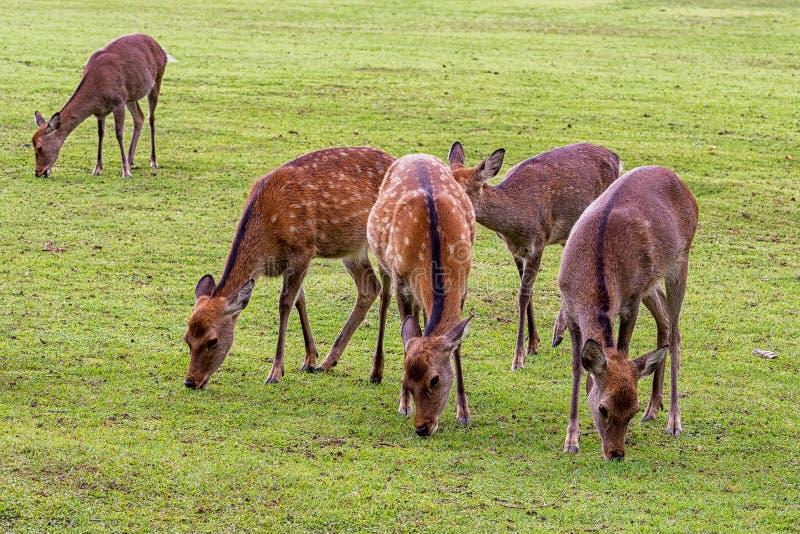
[313, 206]
[115, 77]
[535, 205]
[634, 238]
[421, 230]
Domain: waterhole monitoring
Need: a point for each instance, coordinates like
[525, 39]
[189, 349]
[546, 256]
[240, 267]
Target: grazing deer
[634, 236]
[535, 206]
[316, 205]
[115, 77]
[421, 229]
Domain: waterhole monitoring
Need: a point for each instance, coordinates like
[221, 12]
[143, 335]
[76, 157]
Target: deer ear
[456, 334]
[593, 358]
[649, 362]
[205, 286]
[456, 154]
[55, 122]
[238, 301]
[38, 119]
[410, 330]
[489, 167]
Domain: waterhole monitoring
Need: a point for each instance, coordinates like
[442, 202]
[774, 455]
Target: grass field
[97, 280]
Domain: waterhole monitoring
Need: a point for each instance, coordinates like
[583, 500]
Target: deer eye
[211, 343]
[434, 381]
[604, 411]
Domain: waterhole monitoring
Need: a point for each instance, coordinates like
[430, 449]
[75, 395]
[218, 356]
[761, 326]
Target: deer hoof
[647, 418]
[308, 369]
[674, 432]
[464, 421]
[571, 449]
[557, 341]
[376, 379]
[271, 380]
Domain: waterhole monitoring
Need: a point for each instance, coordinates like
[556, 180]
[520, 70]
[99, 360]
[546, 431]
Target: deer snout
[189, 383]
[616, 455]
[426, 429]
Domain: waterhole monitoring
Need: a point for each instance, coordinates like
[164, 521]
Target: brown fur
[400, 234]
[635, 236]
[115, 77]
[316, 205]
[536, 205]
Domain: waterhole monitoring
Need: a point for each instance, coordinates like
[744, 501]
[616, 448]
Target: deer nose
[189, 383]
[617, 455]
[422, 431]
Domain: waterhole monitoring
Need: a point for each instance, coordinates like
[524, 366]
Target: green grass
[99, 433]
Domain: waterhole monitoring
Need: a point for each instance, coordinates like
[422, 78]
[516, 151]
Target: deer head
[473, 178]
[613, 398]
[427, 371]
[47, 143]
[211, 328]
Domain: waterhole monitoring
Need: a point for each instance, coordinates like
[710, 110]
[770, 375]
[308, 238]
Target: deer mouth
[45, 173]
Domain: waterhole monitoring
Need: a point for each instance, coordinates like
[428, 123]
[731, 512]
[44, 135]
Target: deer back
[422, 229]
[624, 244]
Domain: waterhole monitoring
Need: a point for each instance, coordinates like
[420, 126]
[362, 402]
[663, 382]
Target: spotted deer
[535, 205]
[115, 77]
[315, 205]
[422, 229]
[635, 236]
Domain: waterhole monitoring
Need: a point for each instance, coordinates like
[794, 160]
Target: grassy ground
[97, 277]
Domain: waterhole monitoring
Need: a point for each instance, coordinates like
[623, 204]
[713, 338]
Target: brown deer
[421, 229]
[115, 77]
[534, 206]
[634, 236]
[315, 205]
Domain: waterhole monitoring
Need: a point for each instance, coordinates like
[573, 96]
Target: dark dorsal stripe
[237, 240]
[437, 274]
[603, 316]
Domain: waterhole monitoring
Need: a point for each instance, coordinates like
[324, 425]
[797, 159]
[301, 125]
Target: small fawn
[315, 205]
[634, 236]
[115, 77]
[421, 229]
[535, 205]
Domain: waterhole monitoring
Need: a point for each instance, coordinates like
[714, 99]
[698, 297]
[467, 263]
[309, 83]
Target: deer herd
[626, 241]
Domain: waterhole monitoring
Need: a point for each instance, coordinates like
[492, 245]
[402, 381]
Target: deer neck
[494, 209]
[77, 109]
[245, 259]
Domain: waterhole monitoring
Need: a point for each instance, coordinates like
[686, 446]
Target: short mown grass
[99, 433]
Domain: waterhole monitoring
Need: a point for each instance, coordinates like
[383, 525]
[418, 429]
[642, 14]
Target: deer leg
[119, 127]
[152, 102]
[406, 306]
[376, 375]
[463, 416]
[138, 122]
[627, 321]
[676, 288]
[308, 339]
[573, 429]
[530, 267]
[101, 130]
[656, 303]
[531, 327]
[292, 282]
[368, 288]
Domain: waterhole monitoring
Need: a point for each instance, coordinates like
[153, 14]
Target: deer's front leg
[573, 429]
[119, 127]
[101, 130]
